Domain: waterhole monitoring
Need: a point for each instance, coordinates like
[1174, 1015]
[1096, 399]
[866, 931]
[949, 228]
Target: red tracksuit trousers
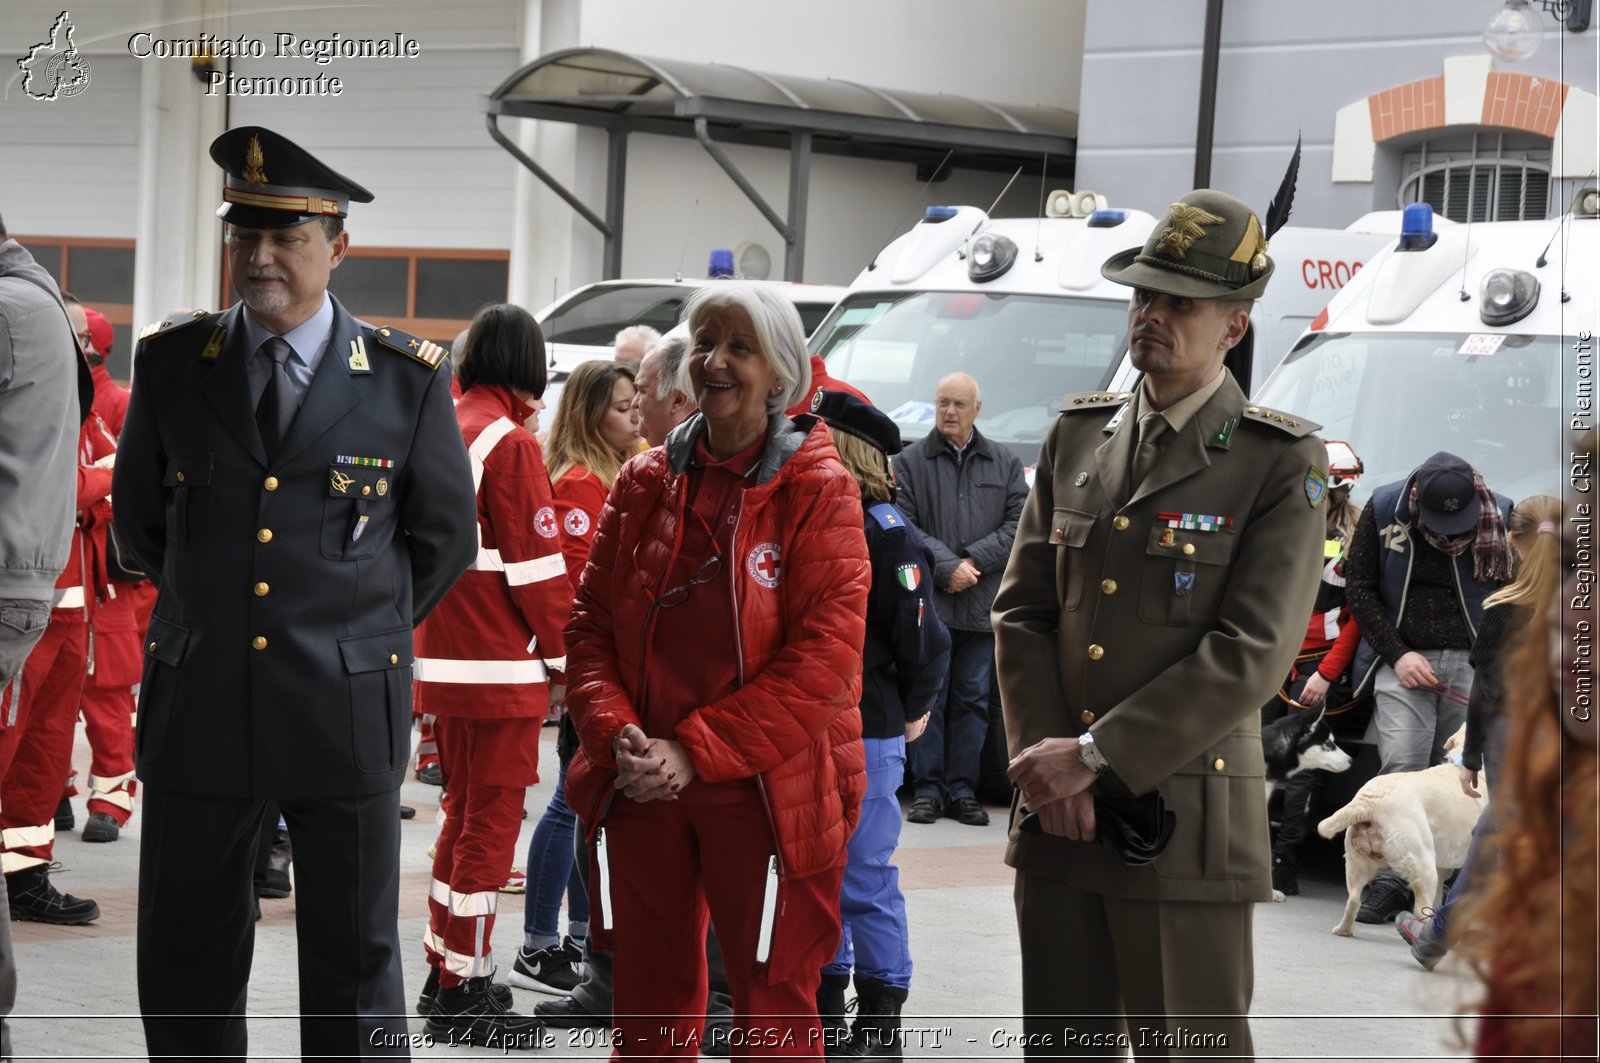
[36, 750]
[108, 724]
[490, 764]
[673, 863]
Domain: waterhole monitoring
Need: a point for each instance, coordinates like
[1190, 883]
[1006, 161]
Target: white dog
[1417, 822]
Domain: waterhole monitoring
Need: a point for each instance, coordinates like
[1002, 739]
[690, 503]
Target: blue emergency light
[938, 213]
[1416, 228]
[1107, 219]
[721, 263]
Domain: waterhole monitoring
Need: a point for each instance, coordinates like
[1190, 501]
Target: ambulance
[1472, 339]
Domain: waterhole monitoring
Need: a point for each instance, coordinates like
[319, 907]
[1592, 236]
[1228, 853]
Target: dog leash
[1450, 693]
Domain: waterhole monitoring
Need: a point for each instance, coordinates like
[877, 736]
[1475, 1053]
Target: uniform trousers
[1102, 974]
[672, 862]
[36, 752]
[875, 942]
[108, 725]
[197, 925]
[490, 764]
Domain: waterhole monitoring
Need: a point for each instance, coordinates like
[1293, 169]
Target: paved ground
[1317, 996]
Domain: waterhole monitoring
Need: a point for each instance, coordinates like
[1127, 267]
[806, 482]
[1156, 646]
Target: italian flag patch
[910, 576]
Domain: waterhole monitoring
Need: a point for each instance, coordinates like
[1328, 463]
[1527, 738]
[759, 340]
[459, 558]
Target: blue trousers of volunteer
[875, 942]
[197, 859]
[944, 761]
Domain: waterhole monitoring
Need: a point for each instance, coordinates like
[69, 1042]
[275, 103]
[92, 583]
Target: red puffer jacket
[794, 724]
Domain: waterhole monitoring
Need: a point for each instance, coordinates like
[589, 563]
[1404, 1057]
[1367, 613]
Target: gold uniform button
[180, 477]
[394, 658]
[264, 535]
[1096, 651]
[1121, 523]
[259, 642]
[1218, 764]
[1087, 717]
[1108, 586]
[366, 490]
[262, 590]
[153, 646]
[1188, 549]
[1252, 409]
[271, 483]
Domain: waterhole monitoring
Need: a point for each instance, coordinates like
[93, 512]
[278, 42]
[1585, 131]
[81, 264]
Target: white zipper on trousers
[769, 911]
[603, 861]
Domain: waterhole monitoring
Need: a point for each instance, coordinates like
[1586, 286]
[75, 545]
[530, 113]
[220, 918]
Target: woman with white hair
[714, 676]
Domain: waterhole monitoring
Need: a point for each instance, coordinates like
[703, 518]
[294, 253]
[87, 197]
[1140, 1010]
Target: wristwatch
[1090, 754]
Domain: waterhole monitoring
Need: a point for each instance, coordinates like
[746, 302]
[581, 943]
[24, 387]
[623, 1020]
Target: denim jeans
[550, 867]
[944, 761]
[1494, 755]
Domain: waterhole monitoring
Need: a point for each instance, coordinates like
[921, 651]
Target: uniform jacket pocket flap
[360, 481]
[166, 641]
[1210, 548]
[1070, 527]
[369, 653]
[1237, 754]
[188, 470]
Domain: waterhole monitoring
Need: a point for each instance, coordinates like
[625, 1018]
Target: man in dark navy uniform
[296, 483]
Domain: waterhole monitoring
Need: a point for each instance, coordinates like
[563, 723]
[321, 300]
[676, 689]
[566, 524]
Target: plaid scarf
[1491, 550]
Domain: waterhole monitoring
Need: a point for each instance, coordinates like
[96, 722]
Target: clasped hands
[1055, 785]
[650, 769]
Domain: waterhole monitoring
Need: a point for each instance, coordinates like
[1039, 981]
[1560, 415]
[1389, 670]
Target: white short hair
[672, 353]
[646, 335]
[779, 333]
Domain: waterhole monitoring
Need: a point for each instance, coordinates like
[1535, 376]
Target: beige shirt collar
[1182, 412]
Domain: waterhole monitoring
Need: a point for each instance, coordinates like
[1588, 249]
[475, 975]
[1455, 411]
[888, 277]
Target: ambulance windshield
[1491, 399]
[1026, 352]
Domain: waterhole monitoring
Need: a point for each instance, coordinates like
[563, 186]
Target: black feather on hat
[863, 420]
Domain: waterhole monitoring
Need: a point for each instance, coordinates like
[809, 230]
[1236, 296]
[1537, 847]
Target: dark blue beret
[861, 419]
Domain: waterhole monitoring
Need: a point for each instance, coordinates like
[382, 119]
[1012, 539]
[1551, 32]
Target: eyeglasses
[709, 569]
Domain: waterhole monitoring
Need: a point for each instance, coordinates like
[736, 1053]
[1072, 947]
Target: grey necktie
[1152, 426]
[278, 399]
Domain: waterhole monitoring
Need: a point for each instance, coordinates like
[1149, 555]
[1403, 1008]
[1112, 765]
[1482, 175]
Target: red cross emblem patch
[763, 564]
[544, 522]
[577, 522]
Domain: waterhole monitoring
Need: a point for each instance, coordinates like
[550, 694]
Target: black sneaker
[429, 774]
[965, 809]
[407, 812]
[35, 900]
[549, 970]
[471, 1014]
[567, 1014]
[101, 828]
[1384, 898]
[1285, 878]
[65, 820]
[430, 991]
[924, 809]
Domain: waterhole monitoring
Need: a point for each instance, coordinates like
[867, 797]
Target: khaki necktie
[1152, 426]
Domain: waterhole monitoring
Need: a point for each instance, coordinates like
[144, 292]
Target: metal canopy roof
[632, 93]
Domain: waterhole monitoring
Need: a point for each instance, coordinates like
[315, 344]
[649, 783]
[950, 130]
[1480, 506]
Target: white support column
[178, 263]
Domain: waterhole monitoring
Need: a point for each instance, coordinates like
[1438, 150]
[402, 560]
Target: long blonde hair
[575, 437]
[1541, 551]
[868, 464]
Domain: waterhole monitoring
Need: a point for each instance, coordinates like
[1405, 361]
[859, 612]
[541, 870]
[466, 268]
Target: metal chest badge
[1316, 485]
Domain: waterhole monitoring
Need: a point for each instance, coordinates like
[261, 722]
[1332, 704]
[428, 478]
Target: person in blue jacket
[904, 663]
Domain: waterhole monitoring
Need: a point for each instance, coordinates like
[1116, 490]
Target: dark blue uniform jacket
[907, 650]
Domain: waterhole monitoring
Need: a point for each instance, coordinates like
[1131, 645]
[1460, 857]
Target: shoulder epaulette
[161, 328]
[1293, 424]
[427, 352]
[1093, 400]
[886, 515]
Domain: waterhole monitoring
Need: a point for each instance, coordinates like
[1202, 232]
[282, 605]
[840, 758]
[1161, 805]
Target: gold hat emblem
[253, 161]
[1184, 228]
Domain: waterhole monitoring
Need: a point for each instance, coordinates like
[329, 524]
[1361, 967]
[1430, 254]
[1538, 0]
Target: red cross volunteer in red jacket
[716, 670]
[486, 662]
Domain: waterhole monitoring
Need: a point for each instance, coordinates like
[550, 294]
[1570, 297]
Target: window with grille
[1484, 180]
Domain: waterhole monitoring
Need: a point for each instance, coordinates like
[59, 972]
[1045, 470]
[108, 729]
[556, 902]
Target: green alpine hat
[1210, 246]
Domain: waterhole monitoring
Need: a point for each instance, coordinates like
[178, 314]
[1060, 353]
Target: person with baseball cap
[1166, 562]
[296, 484]
[1427, 551]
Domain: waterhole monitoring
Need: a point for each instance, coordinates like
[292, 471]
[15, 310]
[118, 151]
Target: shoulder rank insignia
[1093, 400]
[1285, 422]
[427, 352]
[886, 516]
[172, 324]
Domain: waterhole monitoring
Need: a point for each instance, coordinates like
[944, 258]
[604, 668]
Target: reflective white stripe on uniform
[439, 891]
[468, 966]
[467, 905]
[11, 863]
[443, 670]
[1330, 624]
[112, 791]
[487, 561]
[431, 941]
[28, 837]
[521, 573]
[484, 445]
[556, 664]
[71, 598]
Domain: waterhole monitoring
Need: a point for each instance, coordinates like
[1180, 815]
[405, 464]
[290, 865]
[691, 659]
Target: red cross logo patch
[763, 564]
[544, 522]
[577, 523]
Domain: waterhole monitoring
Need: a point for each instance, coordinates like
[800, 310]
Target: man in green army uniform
[1157, 593]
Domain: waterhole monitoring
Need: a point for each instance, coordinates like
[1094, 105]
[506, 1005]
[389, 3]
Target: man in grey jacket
[965, 494]
[39, 418]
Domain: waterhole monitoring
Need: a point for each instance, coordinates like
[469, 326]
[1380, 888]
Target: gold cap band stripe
[293, 204]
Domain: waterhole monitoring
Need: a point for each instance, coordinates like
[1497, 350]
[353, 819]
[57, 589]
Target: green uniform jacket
[1162, 623]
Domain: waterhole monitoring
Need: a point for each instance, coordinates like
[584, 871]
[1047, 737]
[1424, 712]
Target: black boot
[876, 1033]
[1285, 876]
[430, 990]
[830, 1009]
[34, 899]
[471, 1013]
